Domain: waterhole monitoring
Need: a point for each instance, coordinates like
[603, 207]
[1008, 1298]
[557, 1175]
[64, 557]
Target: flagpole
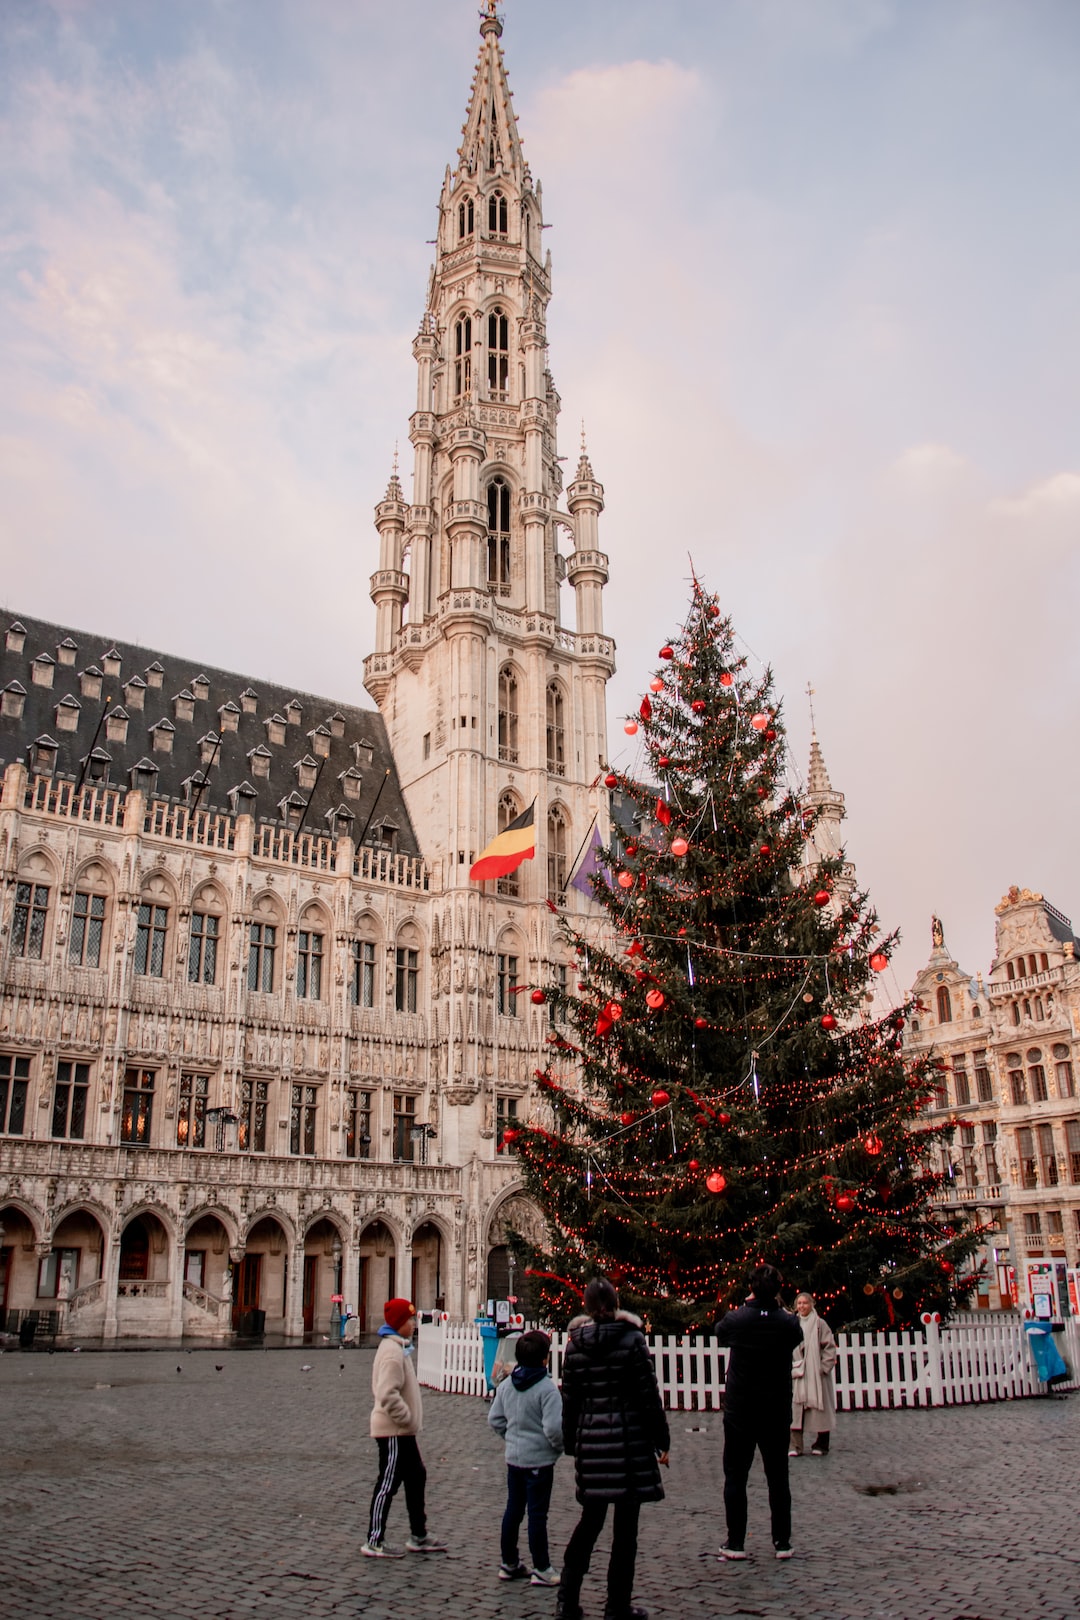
[581, 851]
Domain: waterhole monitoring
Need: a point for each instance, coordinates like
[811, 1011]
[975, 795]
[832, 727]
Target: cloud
[1057, 497]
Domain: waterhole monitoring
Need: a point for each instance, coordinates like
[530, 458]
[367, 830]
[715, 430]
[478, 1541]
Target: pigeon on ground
[305, 1368]
[218, 1367]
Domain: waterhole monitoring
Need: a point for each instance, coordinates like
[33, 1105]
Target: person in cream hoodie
[396, 1420]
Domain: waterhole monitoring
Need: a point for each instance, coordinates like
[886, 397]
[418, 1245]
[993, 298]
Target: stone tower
[490, 701]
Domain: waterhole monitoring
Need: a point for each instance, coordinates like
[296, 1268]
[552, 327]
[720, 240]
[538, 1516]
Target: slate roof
[356, 738]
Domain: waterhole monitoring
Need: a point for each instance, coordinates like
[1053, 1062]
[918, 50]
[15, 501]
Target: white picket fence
[978, 1357]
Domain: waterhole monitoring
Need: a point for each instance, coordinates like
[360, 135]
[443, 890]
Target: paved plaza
[215, 1484]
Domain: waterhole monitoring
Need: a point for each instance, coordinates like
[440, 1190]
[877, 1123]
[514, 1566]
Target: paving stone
[129, 1491]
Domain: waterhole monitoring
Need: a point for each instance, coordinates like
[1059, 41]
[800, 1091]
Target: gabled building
[260, 1034]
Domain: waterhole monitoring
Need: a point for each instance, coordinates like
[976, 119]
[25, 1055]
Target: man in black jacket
[761, 1336]
[615, 1429]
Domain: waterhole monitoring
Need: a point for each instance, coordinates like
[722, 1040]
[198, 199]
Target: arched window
[498, 343]
[944, 1006]
[556, 734]
[557, 839]
[466, 218]
[508, 810]
[508, 716]
[499, 536]
[463, 357]
[497, 215]
[1037, 1074]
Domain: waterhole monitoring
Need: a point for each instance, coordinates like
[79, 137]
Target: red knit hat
[397, 1313]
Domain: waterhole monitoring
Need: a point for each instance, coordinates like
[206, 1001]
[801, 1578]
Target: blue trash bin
[489, 1333]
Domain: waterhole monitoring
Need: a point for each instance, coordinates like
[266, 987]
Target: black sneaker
[631, 1613]
[513, 1572]
[783, 1549]
[731, 1553]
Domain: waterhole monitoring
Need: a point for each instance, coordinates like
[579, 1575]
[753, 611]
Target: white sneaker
[428, 1543]
[545, 1577]
[379, 1549]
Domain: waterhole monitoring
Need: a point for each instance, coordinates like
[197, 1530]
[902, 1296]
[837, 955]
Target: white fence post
[931, 1321]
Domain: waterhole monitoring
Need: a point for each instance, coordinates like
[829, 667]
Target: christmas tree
[717, 1093]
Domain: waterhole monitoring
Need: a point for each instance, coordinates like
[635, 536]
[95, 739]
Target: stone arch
[22, 1224]
[324, 1270]
[267, 1214]
[377, 1279]
[431, 1244]
[145, 1244]
[210, 895]
[80, 1234]
[97, 874]
[514, 1211]
[39, 864]
[225, 1218]
[157, 886]
[262, 1281]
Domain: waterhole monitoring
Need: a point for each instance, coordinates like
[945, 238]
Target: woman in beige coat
[813, 1406]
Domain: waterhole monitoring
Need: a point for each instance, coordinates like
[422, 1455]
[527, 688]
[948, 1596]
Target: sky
[816, 299]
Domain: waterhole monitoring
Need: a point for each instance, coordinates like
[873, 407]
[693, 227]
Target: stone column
[111, 1277]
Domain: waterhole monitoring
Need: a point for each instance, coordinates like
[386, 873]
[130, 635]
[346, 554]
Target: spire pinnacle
[818, 781]
[490, 142]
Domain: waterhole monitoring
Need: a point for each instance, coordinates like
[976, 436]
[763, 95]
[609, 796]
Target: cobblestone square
[210, 1485]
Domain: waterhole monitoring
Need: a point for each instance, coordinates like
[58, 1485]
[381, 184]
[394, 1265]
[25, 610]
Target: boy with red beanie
[396, 1421]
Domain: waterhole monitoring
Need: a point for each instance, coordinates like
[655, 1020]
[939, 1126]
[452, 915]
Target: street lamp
[223, 1118]
[335, 1298]
[423, 1134]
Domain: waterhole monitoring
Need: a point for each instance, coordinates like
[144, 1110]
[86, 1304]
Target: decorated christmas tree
[717, 1092]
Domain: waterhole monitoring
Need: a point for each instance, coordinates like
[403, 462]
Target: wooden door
[311, 1272]
[247, 1290]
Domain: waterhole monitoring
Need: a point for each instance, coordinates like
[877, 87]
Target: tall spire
[490, 145]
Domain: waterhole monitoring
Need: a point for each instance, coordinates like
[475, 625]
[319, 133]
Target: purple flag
[590, 866]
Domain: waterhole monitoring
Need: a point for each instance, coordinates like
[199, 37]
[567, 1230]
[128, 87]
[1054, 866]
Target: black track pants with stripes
[400, 1463]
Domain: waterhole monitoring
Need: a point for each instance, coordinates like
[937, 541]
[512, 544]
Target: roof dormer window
[249, 700]
[144, 775]
[42, 669]
[111, 661]
[209, 748]
[292, 808]
[275, 730]
[43, 755]
[242, 799]
[363, 751]
[184, 705]
[294, 712]
[201, 688]
[67, 652]
[67, 714]
[162, 736]
[229, 716]
[194, 786]
[16, 636]
[98, 766]
[307, 771]
[135, 692]
[320, 742]
[336, 723]
[116, 725]
[155, 675]
[339, 821]
[13, 700]
[259, 759]
[90, 680]
[350, 782]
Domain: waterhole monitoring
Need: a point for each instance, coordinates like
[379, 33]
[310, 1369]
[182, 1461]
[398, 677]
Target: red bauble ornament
[845, 1203]
[660, 1099]
[822, 897]
[654, 999]
[828, 1021]
[725, 1119]
[713, 611]
[538, 998]
[626, 1119]
[879, 961]
[947, 1267]
[698, 705]
[701, 1023]
[727, 679]
[679, 846]
[873, 1144]
[646, 709]
[657, 685]
[716, 1182]
[770, 735]
[626, 880]
[611, 780]
[631, 728]
[663, 761]
[759, 721]
[667, 652]
[510, 1135]
[582, 989]
[766, 849]
[692, 1164]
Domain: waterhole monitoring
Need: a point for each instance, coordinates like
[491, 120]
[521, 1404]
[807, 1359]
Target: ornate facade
[1009, 1050]
[259, 1034]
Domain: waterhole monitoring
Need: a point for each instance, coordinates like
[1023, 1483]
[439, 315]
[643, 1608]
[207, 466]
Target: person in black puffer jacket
[615, 1429]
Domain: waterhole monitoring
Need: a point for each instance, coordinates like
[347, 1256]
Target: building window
[466, 218]
[69, 1100]
[508, 716]
[506, 1117]
[498, 353]
[191, 1110]
[58, 1274]
[557, 856]
[556, 731]
[1055, 1230]
[497, 214]
[309, 961]
[960, 1081]
[1037, 1075]
[1025, 1148]
[1033, 1224]
[153, 923]
[506, 980]
[968, 1169]
[262, 949]
[553, 1003]
[1063, 1071]
[983, 1083]
[1072, 1147]
[404, 1120]
[302, 1119]
[406, 979]
[1047, 1156]
[28, 922]
[138, 1110]
[358, 1125]
[944, 1006]
[87, 926]
[362, 978]
[989, 1133]
[14, 1084]
[463, 357]
[202, 951]
[1017, 1084]
[498, 540]
[251, 1130]
[508, 811]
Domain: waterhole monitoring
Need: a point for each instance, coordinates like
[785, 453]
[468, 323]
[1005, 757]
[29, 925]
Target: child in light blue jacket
[527, 1410]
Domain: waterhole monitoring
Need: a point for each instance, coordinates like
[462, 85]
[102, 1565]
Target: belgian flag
[516, 843]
